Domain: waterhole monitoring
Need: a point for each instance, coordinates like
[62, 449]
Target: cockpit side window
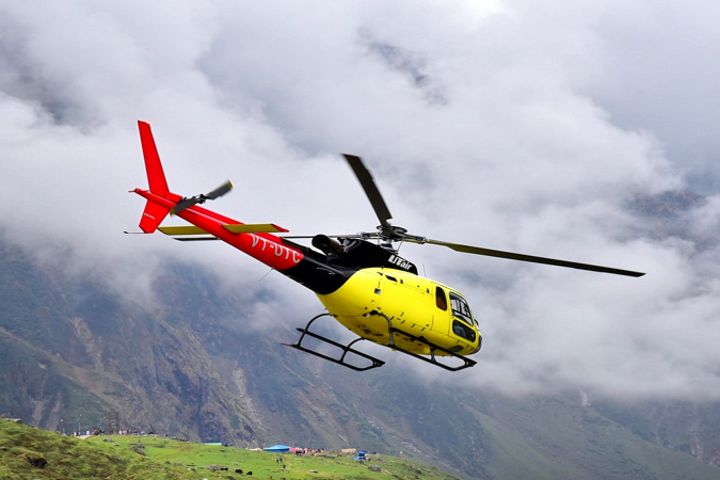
[460, 308]
[463, 331]
[440, 298]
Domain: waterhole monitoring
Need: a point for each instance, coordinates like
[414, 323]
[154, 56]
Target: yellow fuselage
[374, 297]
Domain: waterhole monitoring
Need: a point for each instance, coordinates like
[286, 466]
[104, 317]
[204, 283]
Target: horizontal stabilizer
[254, 228]
[174, 230]
[195, 239]
[182, 230]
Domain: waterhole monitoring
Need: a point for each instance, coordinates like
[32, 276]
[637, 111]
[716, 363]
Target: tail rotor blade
[211, 195]
[219, 191]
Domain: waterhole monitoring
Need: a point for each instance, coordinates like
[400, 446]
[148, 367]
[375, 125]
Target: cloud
[510, 125]
[659, 76]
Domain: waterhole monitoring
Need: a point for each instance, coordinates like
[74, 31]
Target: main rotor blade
[368, 184]
[531, 258]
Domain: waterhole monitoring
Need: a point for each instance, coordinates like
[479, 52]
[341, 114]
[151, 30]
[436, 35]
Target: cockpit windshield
[461, 309]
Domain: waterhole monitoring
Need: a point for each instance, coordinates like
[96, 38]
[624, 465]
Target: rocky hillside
[76, 354]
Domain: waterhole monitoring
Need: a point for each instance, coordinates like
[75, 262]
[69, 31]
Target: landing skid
[467, 363]
[376, 362]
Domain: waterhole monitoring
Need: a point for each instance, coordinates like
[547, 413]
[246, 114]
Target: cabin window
[440, 298]
[463, 331]
[460, 308]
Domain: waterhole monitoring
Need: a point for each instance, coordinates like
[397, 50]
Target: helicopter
[361, 280]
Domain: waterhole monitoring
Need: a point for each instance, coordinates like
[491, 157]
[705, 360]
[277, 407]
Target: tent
[277, 449]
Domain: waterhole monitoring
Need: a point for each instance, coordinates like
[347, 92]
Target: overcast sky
[519, 125]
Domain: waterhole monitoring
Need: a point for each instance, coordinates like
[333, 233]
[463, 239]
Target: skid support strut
[305, 332]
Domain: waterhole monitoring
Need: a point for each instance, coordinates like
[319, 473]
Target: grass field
[30, 453]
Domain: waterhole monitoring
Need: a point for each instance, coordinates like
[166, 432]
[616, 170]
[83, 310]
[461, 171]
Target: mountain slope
[79, 353]
[82, 353]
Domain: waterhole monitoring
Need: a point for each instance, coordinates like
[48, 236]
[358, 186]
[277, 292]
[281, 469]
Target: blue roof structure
[277, 449]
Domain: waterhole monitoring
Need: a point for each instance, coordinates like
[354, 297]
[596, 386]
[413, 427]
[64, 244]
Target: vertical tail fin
[154, 213]
[155, 174]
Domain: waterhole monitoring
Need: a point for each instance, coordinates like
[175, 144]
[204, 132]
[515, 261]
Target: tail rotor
[188, 202]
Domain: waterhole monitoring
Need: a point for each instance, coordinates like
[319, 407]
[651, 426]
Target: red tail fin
[154, 213]
[155, 174]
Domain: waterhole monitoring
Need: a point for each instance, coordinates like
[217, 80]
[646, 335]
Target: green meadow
[31, 453]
